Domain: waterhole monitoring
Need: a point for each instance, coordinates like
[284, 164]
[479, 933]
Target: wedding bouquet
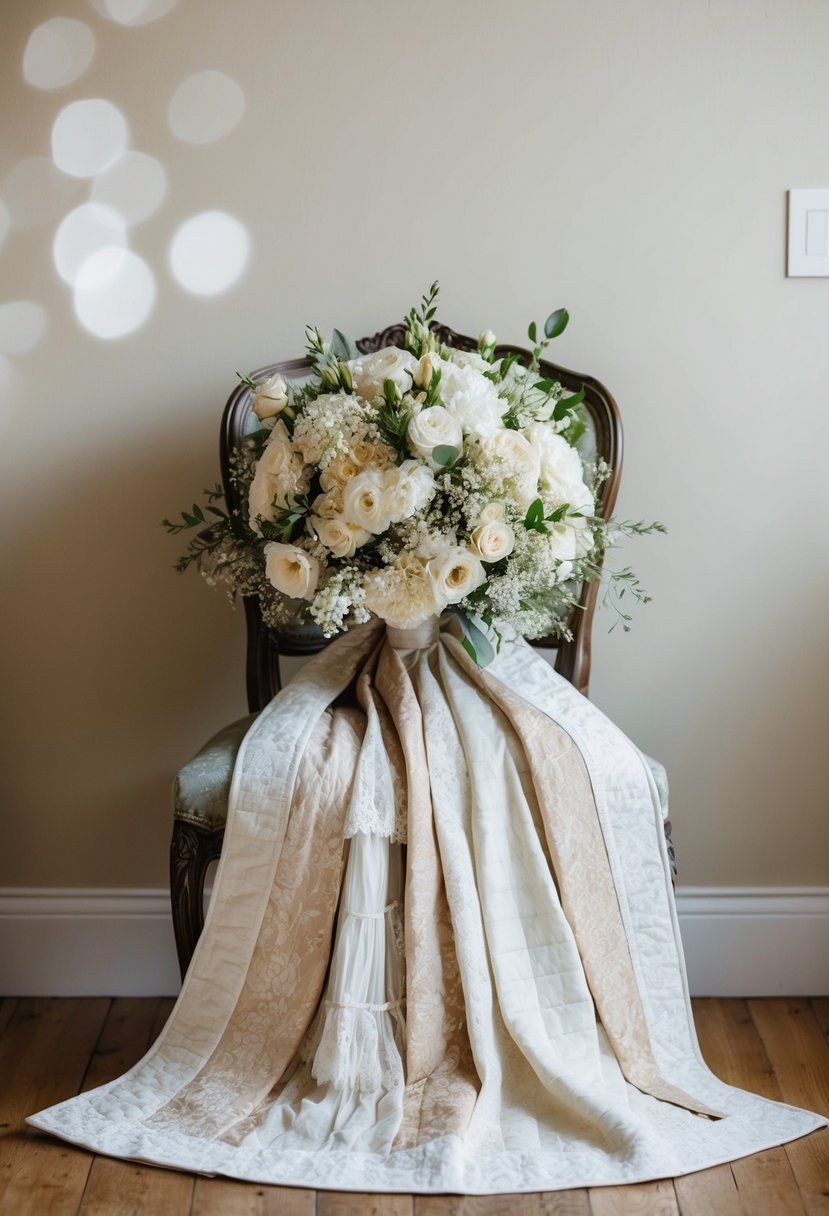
[413, 480]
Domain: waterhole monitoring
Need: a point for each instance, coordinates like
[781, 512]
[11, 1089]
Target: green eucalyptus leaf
[445, 455]
[343, 346]
[556, 323]
[532, 331]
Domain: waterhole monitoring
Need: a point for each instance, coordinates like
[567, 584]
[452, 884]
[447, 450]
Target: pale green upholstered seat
[201, 788]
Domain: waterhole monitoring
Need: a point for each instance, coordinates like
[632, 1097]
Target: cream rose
[409, 488]
[365, 501]
[291, 570]
[370, 372]
[338, 535]
[271, 397]
[455, 573]
[492, 541]
[338, 472]
[431, 428]
[518, 460]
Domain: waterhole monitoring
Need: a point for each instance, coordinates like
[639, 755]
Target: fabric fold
[442, 952]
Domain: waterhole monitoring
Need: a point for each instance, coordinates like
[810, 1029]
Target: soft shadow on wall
[124, 663]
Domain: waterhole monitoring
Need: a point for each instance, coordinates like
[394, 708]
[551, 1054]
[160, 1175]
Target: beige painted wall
[627, 160]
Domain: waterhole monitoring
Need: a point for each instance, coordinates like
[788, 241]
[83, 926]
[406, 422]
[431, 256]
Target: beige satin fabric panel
[585, 882]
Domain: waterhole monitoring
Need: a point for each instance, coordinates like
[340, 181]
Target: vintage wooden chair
[202, 786]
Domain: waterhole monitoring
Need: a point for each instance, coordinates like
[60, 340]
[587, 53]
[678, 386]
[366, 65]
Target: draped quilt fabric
[441, 954]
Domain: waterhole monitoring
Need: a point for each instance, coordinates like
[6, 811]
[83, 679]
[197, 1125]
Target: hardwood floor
[52, 1048]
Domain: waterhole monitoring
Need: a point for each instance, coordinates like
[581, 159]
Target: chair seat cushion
[201, 788]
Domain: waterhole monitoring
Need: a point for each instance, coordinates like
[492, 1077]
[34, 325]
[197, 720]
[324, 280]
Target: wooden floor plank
[338, 1203]
[220, 1197]
[135, 1190]
[44, 1054]
[797, 1050]
[7, 1007]
[122, 1186]
[477, 1205]
[707, 1192]
[820, 1008]
[640, 1199]
[766, 1183]
[564, 1203]
[731, 1046]
[799, 1054]
[126, 1035]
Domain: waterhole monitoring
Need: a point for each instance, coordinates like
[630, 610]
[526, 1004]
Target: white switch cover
[808, 233]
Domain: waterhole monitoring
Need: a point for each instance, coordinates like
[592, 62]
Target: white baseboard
[78, 942]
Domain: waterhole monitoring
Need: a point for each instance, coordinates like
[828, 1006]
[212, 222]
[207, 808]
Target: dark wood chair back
[264, 646]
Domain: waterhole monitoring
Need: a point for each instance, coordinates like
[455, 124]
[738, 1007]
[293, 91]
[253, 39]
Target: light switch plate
[808, 233]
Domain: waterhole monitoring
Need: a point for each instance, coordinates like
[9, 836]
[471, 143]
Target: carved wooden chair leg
[192, 849]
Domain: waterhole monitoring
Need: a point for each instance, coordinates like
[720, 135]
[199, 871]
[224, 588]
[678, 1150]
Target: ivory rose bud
[455, 573]
[370, 372]
[365, 501]
[338, 535]
[409, 488]
[291, 570]
[431, 428]
[271, 397]
[492, 541]
[492, 511]
[424, 371]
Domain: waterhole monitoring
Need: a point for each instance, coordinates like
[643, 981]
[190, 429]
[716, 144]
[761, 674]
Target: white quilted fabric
[278, 1069]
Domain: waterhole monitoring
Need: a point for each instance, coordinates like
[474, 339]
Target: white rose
[492, 541]
[455, 573]
[365, 501]
[370, 372]
[271, 397]
[291, 570]
[338, 535]
[520, 460]
[560, 467]
[431, 428]
[471, 398]
[562, 542]
[408, 488]
[261, 497]
[492, 512]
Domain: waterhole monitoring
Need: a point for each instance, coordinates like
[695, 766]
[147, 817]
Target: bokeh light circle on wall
[22, 325]
[58, 52]
[209, 252]
[88, 136]
[84, 231]
[205, 107]
[134, 12]
[35, 192]
[114, 293]
[135, 185]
